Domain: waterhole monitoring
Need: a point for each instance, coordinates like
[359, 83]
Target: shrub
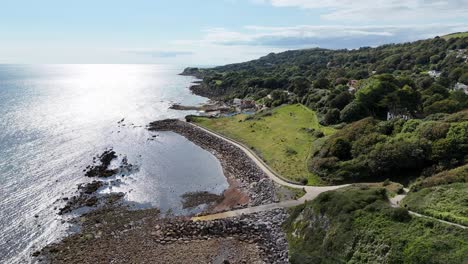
[290, 151]
[318, 134]
[353, 111]
[411, 125]
[341, 149]
[399, 214]
[323, 164]
[443, 106]
[433, 130]
[386, 182]
[332, 116]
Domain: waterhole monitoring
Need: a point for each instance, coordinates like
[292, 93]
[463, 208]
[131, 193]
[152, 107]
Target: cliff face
[357, 225]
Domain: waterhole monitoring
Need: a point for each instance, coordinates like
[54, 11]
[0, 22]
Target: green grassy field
[284, 138]
[448, 202]
[456, 35]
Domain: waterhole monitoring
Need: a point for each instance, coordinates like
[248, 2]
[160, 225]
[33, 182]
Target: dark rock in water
[91, 187]
[101, 170]
[92, 201]
[107, 157]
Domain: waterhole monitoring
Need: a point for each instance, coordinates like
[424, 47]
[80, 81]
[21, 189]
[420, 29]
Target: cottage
[393, 115]
[237, 102]
[352, 84]
[461, 86]
[434, 74]
[247, 103]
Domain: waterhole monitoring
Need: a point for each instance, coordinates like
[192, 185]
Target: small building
[248, 103]
[461, 86]
[353, 86]
[401, 113]
[391, 116]
[352, 83]
[434, 74]
[237, 102]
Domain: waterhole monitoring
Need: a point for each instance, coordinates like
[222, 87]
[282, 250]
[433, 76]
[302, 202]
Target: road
[311, 191]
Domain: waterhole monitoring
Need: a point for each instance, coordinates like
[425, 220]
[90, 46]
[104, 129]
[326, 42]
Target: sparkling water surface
[55, 118]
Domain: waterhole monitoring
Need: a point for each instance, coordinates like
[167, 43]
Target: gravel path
[311, 191]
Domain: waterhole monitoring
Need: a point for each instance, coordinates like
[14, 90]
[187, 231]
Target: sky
[211, 32]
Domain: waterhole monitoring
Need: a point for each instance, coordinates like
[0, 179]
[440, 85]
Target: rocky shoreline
[112, 233]
[120, 236]
[237, 166]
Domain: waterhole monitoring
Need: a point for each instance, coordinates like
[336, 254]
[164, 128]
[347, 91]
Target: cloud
[334, 36]
[394, 10]
[160, 54]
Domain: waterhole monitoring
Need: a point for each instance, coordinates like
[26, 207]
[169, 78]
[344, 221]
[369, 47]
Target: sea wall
[236, 164]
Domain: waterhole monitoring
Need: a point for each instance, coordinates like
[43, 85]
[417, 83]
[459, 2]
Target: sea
[55, 118]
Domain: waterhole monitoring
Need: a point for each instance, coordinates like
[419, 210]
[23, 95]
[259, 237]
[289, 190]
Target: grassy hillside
[283, 137]
[444, 196]
[456, 35]
[356, 225]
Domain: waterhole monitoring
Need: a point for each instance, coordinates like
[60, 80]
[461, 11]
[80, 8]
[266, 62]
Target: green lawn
[448, 202]
[283, 139]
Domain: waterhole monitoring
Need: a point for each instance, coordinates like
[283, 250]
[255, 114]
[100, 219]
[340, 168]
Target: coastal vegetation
[416, 79]
[456, 35]
[399, 118]
[357, 225]
[283, 137]
[401, 113]
[373, 150]
[443, 196]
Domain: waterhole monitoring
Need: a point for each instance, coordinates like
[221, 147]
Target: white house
[461, 86]
[434, 74]
[237, 102]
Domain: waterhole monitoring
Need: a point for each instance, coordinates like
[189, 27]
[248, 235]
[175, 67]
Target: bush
[411, 125]
[398, 154]
[304, 181]
[290, 151]
[386, 182]
[353, 111]
[443, 106]
[341, 149]
[332, 117]
[433, 130]
[399, 214]
[318, 134]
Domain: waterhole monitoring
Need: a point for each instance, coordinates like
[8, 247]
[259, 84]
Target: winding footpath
[311, 191]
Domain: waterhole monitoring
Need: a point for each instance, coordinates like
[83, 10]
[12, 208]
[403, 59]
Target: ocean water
[55, 118]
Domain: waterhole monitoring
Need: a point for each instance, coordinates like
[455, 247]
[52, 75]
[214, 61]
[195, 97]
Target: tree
[443, 106]
[455, 74]
[341, 100]
[464, 78]
[332, 117]
[353, 111]
[299, 85]
[341, 149]
[322, 83]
